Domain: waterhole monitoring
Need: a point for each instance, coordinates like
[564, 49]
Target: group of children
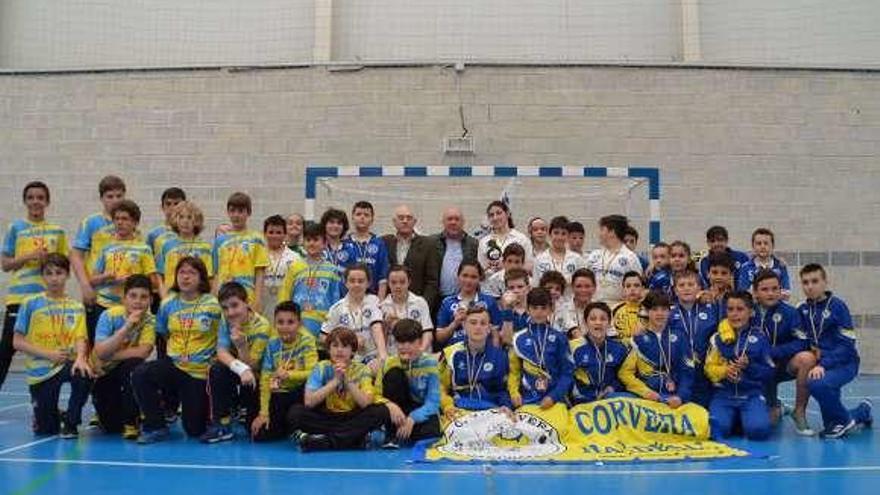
[303, 331]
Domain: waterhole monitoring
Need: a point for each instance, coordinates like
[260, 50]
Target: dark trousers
[45, 399]
[93, 313]
[7, 351]
[279, 404]
[395, 387]
[152, 379]
[345, 430]
[113, 397]
[225, 391]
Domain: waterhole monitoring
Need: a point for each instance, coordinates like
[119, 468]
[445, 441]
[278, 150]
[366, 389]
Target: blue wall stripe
[550, 172]
[371, 172]
[460, 172]
[595, 172]
[414, 171]
[506, 171]
[654, 229]
[312, 176]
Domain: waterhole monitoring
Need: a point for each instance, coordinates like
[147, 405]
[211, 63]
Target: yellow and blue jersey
[257, 332]
[112, 320]
[122, 259]
[697, 323]
[656, 361]
[94, 233]
[474, 381]
[424, 384]
[829, 326]
[540, 364]
[297, 358]
[339, 400]
[237, 256]
[51, 324]
[315, 286]
[158, 236]
[25, 237]
[784, 329]
[726, 346]
[191, 328]
[175, 249]
[595, 368]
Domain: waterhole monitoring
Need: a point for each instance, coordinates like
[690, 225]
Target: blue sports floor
[98, 464]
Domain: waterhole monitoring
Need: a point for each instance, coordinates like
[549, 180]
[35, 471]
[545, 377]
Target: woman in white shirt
[501, 234]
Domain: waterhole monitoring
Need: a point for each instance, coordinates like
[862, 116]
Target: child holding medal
[473, 373]
[696, 321]
[833, 343]
[51, 330]
[280, 258]
[190, 320]
[124, 339]
[289, 358]
[540, 362]
[454, 308]
[660, 366]
[359, 311]
[739, 365]
[597, 358]
[400, 303]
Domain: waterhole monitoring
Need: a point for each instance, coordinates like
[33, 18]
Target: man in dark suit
[454, 246]
[418, 253]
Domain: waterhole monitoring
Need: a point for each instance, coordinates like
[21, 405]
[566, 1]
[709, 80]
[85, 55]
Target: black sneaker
[69, 432]
[315, 442]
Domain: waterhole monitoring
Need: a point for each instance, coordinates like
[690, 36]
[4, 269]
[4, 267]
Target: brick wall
[793, 150]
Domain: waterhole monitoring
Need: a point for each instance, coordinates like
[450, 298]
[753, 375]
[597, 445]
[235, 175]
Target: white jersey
[492, 246]
[573, 315]
[359, 319]
[562, 317]
[274, 279]
[609, 268]
[571, 262]
[415, 308]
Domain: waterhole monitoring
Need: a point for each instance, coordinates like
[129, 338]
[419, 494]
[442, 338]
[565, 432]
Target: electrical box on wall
[462, 145]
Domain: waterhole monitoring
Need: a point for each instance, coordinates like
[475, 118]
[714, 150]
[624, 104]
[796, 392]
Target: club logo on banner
[623, 429]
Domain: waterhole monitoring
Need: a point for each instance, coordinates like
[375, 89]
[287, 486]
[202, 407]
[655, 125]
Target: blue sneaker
[375, 439]
[159, 435]
[217, 433]
[839, 431]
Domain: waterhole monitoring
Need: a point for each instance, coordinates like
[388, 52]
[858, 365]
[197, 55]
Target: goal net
[582, 199]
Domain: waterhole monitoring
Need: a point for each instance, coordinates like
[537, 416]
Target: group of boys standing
[345, 354]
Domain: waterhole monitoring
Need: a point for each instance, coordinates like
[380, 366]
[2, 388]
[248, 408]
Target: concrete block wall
[796, 151]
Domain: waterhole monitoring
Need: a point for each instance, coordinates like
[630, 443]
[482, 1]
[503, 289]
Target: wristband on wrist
[238, 367]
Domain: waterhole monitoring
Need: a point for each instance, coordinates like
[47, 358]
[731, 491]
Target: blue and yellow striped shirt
[191, 328]
[315, 286]
[25, 237]
[175, 249]
[51, 324]
[297, 358]
[237, 256]
[122, 259]
[112, 320]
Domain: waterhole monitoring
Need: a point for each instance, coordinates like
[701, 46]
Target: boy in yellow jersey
[94, 232]
[409, 383]
[313, 281]
[189, 319]
[124, 338]
[290, 356]
[240, 255]
[339, 408]
[233, 378]
[51, 330]
[625, 321]
[26, 245]
[122, 256]
[187, 222]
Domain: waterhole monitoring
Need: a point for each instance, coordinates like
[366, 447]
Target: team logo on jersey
[488, 367]
[777, 318]
[206, 322]
[673, 338]
[415, 314]
[702, 315]
[609, 358]
[826, 313]
[551, 337]
[454, 306]
[623, 262]
[367, 313]
[71, 320]
[752, 339]
[343, 319]
[372, 249]
[570, 267]
[342, 256]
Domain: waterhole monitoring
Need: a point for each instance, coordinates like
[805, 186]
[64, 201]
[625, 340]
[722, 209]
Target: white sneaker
[839, 431]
